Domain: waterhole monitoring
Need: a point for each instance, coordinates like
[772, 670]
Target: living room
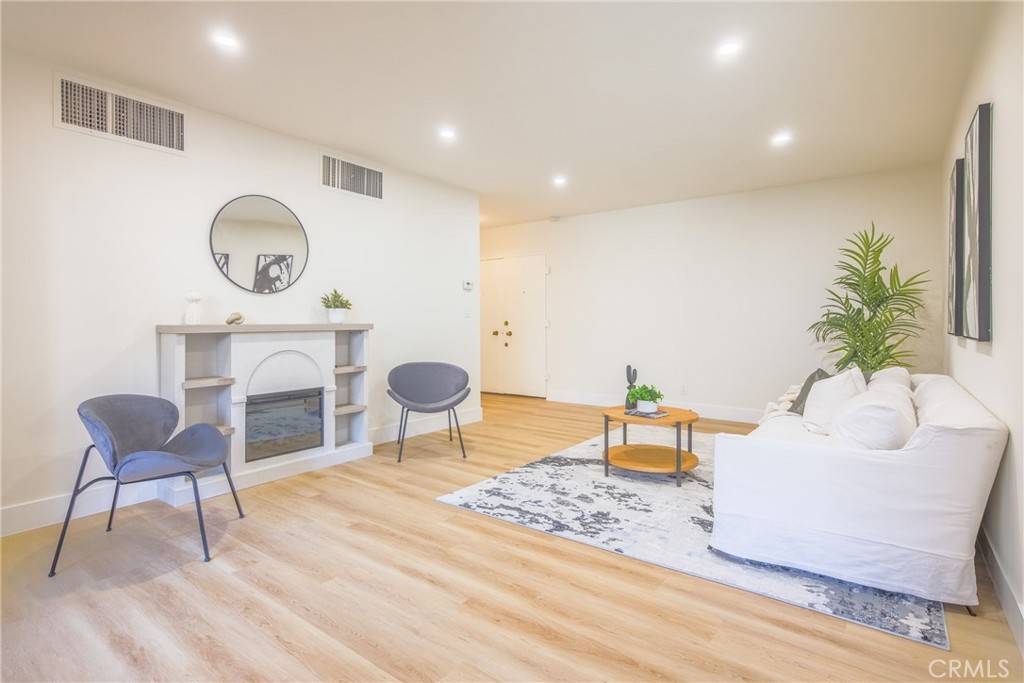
[103, 240]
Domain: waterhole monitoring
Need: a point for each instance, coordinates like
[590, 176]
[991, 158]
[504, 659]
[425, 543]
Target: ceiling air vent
[342, 175]
[108, 113]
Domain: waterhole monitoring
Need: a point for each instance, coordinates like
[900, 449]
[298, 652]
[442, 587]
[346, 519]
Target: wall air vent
[81, 105]
[343, 175]
[108, 113]
[145, 122]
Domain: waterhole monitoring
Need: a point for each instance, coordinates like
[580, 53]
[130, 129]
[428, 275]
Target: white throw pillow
[941, 400]
[881, 418]
[900, 376]
[828, 396]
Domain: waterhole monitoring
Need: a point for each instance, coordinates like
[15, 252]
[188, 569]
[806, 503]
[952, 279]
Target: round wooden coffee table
[649, 457]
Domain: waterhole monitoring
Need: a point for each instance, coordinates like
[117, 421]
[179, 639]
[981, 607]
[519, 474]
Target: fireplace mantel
[267, 327]
[206, 370]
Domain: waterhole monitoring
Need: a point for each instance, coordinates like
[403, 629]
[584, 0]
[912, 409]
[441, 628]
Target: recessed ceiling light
[226, 41]
[446, 133]
[782, 138]
[559, 181]
[729, 48]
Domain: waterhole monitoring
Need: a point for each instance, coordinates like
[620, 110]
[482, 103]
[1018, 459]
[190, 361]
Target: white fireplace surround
[209, 371]
[287, 371]
[272, 362]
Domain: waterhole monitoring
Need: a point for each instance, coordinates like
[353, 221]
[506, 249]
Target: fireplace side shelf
[349, 409]
[203, 382]
[195, 376]
[351, 396]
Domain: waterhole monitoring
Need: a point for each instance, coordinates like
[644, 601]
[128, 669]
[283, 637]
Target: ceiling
[629, 101]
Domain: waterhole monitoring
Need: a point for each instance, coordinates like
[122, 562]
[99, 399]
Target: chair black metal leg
[199, 512]
[403, 425]
[234, 493]
[459, 429]
[449, 425]
[71, 507]
[113, 506]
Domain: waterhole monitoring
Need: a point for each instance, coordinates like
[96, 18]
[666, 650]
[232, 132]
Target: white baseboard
[713, 412]
[1012, 607]
[424, 423]
[43, 512]
[178, 491]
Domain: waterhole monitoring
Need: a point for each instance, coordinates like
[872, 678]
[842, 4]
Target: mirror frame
[302, 228]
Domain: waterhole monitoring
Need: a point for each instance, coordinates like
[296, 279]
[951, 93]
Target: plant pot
[647, 406]
[336, 315]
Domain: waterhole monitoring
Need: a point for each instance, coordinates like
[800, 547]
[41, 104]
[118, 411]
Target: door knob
[495, 333]
[509, 333]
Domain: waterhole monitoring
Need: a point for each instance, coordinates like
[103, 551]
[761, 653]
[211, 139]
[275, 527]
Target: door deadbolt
[506, 343]
[506, 323]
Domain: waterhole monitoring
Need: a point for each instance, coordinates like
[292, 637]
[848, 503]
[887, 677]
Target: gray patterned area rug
[645, 516]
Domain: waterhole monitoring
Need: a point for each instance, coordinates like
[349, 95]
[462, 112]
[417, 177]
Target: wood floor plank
[356, 573]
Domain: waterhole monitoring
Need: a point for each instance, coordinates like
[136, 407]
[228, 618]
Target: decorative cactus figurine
[631, 378]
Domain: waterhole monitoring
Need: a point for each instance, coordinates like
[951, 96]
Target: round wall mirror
[259, 244]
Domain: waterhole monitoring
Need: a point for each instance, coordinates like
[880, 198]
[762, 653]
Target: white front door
[513, 332]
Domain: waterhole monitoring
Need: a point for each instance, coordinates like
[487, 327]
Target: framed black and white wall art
[273, 273]
[977, 241]
[222, 259]
[955, 286]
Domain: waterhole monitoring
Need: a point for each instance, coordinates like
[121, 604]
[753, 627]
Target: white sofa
[903, 519]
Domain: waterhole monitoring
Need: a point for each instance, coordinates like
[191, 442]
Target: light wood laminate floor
[355, 573]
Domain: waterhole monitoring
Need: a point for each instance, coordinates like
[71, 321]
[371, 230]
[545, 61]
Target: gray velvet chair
[428, 387]
[131, 432]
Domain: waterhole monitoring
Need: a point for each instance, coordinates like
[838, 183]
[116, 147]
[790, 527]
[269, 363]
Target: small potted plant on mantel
[336, 305]
[646, 398]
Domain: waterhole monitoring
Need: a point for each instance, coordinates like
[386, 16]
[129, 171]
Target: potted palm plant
[868, 315]
[336, 304]
[646, 398]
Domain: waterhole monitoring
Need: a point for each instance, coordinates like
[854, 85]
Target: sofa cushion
[788, 428]
[881, 418]
[827, 396]
[801, 398]
[940, 400]
[899, 376]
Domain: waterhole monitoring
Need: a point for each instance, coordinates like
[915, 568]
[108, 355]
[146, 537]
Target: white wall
[103, 239]
[737, 280]
[993, 371]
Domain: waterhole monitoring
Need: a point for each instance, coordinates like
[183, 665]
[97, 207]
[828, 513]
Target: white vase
[336, 315]
[647, 406]
[194, 311]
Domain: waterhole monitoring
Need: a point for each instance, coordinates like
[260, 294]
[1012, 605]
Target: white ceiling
[627, 100]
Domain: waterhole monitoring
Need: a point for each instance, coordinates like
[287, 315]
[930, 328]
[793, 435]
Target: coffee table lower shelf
[650, 458]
